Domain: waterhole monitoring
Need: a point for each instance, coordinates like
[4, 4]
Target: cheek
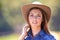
[39, 20]
[30, 20]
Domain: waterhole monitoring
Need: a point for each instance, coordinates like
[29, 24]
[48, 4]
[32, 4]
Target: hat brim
[26, 8]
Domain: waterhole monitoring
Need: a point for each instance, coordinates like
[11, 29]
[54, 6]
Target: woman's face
[35, 18]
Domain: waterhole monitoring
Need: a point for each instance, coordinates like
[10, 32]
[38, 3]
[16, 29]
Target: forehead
[35, 11]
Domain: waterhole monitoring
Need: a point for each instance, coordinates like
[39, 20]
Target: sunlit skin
[35, 20]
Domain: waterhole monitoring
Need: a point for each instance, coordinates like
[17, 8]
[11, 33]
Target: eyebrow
[36, 14]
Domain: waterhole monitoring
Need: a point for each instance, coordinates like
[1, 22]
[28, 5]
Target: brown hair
[44, 24]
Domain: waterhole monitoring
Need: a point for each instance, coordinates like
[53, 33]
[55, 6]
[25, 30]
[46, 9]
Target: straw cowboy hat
[26, 8]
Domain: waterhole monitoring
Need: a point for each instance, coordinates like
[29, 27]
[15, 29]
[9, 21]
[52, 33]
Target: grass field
[9, 37]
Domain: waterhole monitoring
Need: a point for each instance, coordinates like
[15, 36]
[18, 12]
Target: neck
[36, 30]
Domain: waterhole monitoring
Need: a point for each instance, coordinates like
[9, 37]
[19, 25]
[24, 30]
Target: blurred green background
[11, 19]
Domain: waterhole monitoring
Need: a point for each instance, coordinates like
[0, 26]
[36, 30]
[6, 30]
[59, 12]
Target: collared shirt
[42, 35]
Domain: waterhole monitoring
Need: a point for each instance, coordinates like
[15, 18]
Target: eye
[31, 15]
[38, 16]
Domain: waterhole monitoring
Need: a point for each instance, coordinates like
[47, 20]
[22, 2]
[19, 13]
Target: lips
[34, 22]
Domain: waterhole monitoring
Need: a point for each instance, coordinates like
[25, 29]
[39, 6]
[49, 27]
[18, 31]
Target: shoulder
[49, 37]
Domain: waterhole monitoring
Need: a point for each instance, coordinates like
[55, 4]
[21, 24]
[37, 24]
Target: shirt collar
[41, 33]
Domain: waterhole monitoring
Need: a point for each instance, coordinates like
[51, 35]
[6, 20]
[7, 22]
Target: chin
[34, 25]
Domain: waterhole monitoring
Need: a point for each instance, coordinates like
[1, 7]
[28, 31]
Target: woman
[37, 17]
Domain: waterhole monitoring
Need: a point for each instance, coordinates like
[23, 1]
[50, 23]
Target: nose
[35, 17]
